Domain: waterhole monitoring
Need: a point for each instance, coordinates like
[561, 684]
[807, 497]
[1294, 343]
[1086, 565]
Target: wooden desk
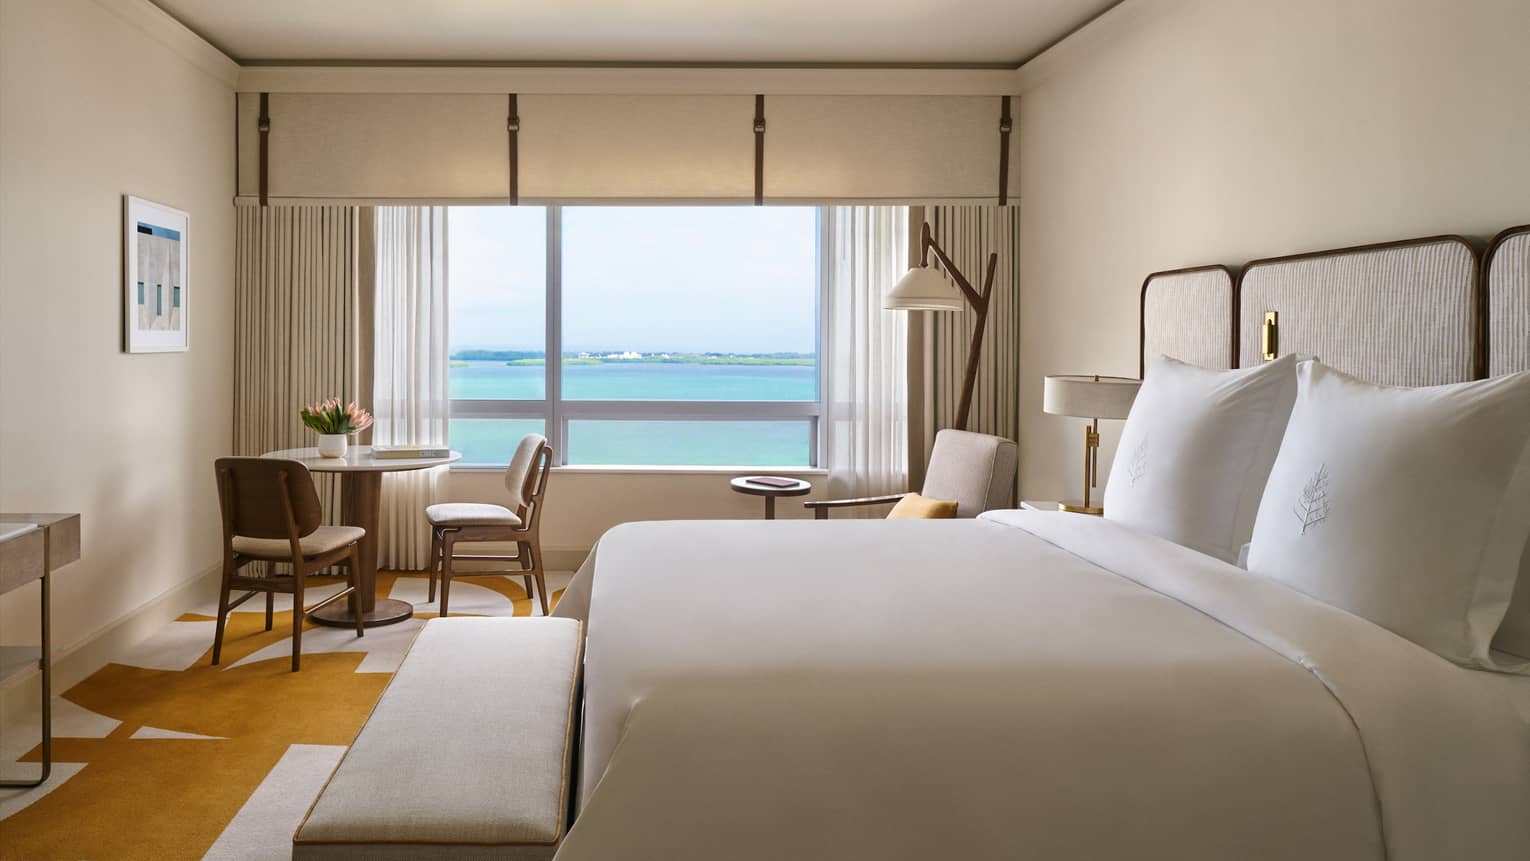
[32, 546]
[360, 505]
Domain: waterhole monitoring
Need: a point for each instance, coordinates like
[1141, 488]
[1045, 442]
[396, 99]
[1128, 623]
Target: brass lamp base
[1080, 509]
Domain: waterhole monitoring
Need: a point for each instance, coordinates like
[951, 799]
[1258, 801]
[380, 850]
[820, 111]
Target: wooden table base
[385, 611]
[361, 505]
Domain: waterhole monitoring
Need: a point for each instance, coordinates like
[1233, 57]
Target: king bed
[1056, 686]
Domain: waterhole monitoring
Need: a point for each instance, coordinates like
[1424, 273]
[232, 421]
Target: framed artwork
[156, 277]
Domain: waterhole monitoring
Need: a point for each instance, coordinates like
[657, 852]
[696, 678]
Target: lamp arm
[975, 349]
[976, 299]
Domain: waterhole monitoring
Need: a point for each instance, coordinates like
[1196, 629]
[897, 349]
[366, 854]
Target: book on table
[406, 452]
[771, 481]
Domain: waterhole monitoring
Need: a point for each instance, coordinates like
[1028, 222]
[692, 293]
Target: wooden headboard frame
[1477, 359]
[1490, 300]
[1166, 279]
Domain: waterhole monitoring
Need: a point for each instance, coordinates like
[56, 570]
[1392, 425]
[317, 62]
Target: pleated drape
[296, 322]
[865, 394]
[969, 234]
[409, 388]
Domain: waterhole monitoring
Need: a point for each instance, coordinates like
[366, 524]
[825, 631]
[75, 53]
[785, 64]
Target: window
[663, 336]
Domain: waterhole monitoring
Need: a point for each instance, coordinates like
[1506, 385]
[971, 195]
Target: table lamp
[1090, 397]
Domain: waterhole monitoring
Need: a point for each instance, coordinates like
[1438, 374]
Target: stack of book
[404, 452]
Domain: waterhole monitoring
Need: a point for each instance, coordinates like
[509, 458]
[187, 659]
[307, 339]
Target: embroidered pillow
[1408, 507]
[1196, 451]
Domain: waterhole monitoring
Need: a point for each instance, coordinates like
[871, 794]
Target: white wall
[1180, 132]
[98, 100]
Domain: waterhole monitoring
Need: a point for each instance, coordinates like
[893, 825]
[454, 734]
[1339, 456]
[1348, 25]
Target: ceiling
[876, 32]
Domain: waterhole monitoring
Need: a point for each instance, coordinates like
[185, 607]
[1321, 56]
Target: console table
[32, 546]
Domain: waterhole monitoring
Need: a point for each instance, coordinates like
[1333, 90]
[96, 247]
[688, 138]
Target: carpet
[160, 755]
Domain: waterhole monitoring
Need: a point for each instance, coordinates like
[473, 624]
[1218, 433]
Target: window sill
[661, 470]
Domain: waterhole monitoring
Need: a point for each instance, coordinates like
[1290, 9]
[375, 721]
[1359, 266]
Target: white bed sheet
[1027, 685]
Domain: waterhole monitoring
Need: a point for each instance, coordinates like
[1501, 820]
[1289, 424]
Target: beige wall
[98, 100]
[583, 504]
[1179, 132]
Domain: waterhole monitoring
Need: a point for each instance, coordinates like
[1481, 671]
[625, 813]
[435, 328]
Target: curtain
[410, 401]
[297, 309]
[865, 398]
[969, 234]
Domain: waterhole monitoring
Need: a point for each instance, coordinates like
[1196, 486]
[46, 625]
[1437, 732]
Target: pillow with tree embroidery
[1407, 507]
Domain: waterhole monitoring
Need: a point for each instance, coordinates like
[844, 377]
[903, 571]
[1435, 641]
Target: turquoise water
[640, 381]
[687, 443]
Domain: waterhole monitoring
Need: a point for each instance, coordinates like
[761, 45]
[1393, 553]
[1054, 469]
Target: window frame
[556, 413]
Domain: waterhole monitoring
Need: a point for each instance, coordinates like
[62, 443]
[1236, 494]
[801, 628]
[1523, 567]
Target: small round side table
[798, 487]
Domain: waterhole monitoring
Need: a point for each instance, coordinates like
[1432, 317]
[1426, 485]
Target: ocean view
[700, 443]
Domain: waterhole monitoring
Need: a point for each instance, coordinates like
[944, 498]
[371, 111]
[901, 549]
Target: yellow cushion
[916, 507]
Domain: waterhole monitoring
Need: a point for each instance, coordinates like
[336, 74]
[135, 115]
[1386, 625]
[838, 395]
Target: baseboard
[21, 699]
[553, 558]
[565, 558]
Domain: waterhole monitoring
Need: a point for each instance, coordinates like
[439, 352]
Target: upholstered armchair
[974, 470]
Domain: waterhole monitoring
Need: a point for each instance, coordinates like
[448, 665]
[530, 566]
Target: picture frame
[156, 288]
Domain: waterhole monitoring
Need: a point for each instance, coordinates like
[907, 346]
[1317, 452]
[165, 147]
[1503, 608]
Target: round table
[797, 488]
[360, 501]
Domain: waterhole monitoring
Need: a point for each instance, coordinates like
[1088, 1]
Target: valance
[454, 148]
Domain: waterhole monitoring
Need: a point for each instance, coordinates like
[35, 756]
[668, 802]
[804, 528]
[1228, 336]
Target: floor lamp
[923, 289]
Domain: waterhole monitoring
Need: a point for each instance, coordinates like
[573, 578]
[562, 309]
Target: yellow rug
[163, 756]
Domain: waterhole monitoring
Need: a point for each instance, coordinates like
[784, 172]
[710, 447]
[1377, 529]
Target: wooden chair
[975, 470]
[271, 514]
[455, 522]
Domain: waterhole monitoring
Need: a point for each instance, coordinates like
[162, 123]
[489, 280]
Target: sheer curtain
[866, 388]
[410, 400]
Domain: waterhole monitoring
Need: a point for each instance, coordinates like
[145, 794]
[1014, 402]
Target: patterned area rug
[160, 755]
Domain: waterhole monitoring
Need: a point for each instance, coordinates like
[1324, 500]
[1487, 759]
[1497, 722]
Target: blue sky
[653, 278]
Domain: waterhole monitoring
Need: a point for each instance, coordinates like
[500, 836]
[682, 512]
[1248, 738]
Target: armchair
[975, 470]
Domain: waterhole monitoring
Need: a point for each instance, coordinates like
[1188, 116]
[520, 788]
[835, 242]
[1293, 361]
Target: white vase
[333, 444]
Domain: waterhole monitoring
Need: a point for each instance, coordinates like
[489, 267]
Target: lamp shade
[1089, 396]
[924, 289]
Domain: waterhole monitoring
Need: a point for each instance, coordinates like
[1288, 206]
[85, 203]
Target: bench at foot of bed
[469, 753]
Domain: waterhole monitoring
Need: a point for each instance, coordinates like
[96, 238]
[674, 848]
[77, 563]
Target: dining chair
[452, 523]
[974, 470]
[271, 514]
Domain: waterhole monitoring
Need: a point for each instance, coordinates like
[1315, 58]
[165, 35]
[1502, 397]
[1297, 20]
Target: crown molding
[629, 80]
[1114, 24]
[160, 26]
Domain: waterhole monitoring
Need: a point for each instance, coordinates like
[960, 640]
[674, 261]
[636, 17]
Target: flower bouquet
[335, 422]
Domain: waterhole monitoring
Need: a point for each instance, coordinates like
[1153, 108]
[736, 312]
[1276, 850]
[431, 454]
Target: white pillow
[1196, 450]
[1514, 634]
[1408, 507]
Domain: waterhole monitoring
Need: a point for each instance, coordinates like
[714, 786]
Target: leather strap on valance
[759, 150]
[265, 146]
[1006, 124]
[513, 125]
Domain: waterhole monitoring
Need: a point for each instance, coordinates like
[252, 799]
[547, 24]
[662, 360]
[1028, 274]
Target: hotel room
[653, 431]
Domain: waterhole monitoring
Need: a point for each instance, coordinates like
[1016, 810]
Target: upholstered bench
[467, 755]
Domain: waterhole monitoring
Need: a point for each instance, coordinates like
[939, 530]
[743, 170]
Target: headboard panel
[1189, 314]
[1507, 268]
[1398, 313]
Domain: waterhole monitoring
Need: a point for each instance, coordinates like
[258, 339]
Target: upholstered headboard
[1188, 314]
[1507, 275]
[1400, 313]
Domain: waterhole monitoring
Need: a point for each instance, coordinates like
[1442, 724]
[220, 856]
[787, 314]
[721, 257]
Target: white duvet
[1028, 685]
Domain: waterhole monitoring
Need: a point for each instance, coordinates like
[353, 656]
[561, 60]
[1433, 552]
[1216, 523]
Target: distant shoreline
[519, 358]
